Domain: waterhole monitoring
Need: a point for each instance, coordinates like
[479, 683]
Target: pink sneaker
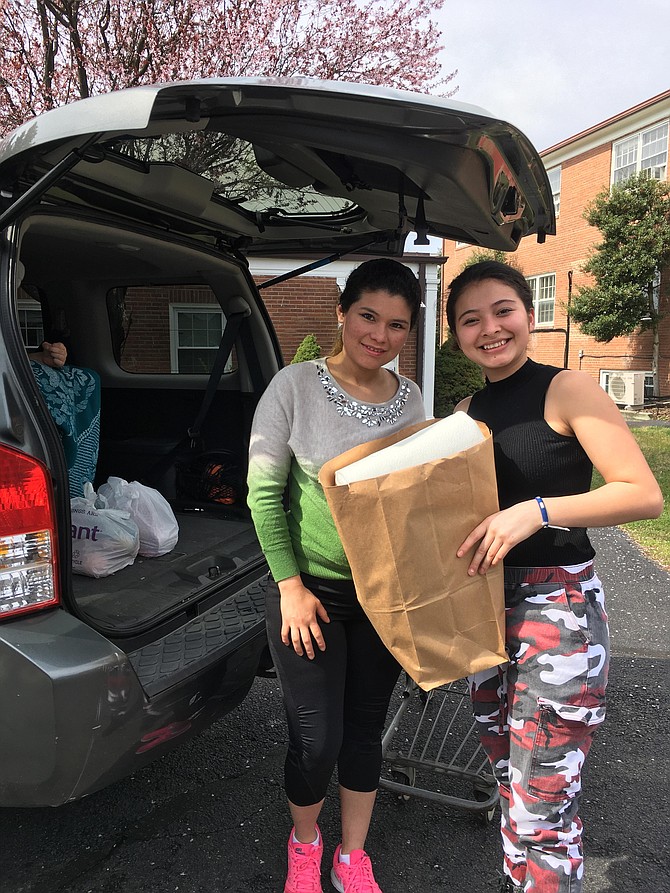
[357, 877]
[304, 866]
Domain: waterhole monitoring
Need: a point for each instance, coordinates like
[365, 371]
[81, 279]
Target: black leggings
[336, 704]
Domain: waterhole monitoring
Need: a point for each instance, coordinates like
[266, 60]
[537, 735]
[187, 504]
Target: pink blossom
[55, 51]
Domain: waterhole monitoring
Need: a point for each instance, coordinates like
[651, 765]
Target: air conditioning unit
[626, 388]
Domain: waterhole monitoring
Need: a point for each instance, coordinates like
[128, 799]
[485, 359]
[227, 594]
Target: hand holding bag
[400, 533]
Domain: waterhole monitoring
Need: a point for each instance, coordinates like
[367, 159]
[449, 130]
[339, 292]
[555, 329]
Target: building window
[30, 323]
[646, 151]
[649, 386]
[555, 182]
[195, 333]
[544, 298]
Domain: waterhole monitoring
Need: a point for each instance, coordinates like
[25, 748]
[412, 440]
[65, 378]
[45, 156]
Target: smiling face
[375, 328]
[492, 327]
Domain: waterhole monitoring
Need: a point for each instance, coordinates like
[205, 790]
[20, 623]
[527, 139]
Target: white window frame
[175, 347]
[24, 306]
[554, 174]
[635, 153]
[543, 287]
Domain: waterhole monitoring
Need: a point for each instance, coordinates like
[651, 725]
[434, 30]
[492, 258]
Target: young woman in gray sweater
[336, 675]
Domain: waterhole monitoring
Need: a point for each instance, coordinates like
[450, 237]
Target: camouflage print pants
[537, 716]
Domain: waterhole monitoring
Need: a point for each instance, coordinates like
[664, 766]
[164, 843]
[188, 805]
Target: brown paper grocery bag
[400, 533]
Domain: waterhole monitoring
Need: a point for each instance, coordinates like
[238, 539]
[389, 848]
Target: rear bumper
[75, 716]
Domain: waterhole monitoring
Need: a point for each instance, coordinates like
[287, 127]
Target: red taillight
[28, 559]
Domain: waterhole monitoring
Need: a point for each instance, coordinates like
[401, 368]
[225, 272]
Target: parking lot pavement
[210, 818]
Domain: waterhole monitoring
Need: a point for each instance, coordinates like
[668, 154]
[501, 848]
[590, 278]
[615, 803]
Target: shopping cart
[434, 734]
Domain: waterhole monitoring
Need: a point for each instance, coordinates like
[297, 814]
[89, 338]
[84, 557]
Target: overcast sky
[556, 67]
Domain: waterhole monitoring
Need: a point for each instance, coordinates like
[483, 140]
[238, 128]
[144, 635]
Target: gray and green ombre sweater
[302, 420]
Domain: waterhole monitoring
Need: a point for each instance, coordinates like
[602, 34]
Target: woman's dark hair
[383, 274]
[487, 269]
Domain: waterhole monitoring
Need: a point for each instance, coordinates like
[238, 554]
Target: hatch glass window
[161, 329]
[240, 172]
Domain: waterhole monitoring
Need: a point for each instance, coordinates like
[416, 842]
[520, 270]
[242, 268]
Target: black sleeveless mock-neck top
[532, 460]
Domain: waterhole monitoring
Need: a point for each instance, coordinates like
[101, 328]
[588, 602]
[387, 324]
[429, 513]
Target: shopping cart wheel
[481, 795]
[406, 776]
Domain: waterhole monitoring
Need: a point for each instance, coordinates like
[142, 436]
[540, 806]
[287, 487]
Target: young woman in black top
[537, 714]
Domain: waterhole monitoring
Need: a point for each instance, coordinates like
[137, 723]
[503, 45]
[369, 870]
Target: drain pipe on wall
[566, 353]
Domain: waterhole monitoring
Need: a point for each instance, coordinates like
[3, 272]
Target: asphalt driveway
[210, 817]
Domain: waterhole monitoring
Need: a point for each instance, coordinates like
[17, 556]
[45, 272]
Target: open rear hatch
[271, 166]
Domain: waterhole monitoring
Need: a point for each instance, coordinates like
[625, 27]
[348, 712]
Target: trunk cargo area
[214, 548]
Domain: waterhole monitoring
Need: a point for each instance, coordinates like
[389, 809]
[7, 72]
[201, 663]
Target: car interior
[146, 312]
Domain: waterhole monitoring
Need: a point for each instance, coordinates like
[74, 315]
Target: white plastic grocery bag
[159, 530]
[104, 540]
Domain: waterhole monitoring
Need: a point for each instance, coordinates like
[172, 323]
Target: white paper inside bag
[445, 438]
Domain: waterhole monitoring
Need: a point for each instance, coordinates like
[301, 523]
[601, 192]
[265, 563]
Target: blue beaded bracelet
[545, 516]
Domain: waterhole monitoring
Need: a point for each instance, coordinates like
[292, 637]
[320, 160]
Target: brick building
[579, 168]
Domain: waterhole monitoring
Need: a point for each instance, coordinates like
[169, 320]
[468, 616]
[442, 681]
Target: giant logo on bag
[85, 533]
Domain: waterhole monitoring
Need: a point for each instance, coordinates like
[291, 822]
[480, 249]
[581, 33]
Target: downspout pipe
[566, 354]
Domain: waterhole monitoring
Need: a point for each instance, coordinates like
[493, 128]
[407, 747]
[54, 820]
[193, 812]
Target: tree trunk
[654, 306]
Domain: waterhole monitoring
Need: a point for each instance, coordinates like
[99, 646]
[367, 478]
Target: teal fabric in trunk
[72, 396]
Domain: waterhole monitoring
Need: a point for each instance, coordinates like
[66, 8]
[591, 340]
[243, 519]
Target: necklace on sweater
[370, 414]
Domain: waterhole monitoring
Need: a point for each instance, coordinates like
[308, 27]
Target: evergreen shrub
[456, 377]
[308, 349]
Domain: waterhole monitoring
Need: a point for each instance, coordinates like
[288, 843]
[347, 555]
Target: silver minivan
[127, 221]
